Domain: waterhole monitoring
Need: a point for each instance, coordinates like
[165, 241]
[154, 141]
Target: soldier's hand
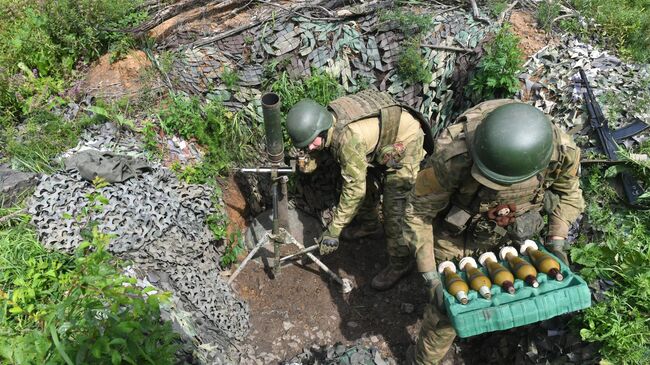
[327, 243]
[434, 288]
[559, 248]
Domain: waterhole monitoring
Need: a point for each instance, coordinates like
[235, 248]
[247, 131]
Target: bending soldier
[366, 131]
[490, 177]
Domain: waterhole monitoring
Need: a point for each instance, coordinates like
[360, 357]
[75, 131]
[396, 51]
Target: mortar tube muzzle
[273, 127]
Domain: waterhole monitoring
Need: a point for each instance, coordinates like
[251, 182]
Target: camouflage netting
[552, 83]
[158, 223]
[361, 52]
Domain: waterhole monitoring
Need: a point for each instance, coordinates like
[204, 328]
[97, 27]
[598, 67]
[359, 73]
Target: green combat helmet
[306, 120]
[512, 144]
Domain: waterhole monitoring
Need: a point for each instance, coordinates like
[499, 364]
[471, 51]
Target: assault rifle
[599, 124]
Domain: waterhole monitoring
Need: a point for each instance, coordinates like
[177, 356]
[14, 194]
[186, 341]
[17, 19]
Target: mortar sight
[273, 127]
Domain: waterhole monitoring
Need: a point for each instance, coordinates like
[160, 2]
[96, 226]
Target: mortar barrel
[273, 127]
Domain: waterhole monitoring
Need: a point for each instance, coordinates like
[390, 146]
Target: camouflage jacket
[447, 176]
[355, 153]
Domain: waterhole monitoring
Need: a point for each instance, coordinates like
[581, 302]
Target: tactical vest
[474, 202]
[369, 104]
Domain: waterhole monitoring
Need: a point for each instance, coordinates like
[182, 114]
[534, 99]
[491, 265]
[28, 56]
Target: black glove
[327, 243]
[559, 247]
[434, 286]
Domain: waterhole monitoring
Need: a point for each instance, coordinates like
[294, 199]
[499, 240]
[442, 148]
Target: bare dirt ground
[303, 307]
[114, 80]
[531, 38]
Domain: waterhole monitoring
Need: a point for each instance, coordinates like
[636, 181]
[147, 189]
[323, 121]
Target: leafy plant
[224, 134]
[546, 12]
[234, 247]
[407, 21]
[411, 65]
[618, 251]
[43, 136]
[56, 308]
[497, 7]
[621, 24]
[496, 74]
[150, 138]
[229, 78]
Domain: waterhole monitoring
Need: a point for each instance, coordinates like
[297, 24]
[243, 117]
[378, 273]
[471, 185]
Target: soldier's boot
[391, 274]
[362, 230]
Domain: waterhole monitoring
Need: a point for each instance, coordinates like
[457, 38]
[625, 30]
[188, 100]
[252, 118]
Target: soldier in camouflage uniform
[500, 154]
[377, 142]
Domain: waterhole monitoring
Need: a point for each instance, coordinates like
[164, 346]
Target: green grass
[622, 24]
[618, 250]
[42, 136]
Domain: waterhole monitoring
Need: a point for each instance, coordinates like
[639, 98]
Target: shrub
[411, 65]
[623, 24]
[496, 74]
[224, 134]
[546, 12]
[619, 252]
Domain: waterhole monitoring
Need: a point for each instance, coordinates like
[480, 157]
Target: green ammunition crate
[527, 305]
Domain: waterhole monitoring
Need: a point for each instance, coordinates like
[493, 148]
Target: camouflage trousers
[395, 185]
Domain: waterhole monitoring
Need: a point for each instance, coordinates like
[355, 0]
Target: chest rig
[478, 208]
[366, 104]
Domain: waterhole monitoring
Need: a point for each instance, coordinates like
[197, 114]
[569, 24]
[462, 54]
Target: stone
[13, 184]
[287, 325]
[407, 308]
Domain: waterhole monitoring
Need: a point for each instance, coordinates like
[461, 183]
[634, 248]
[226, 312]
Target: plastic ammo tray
[527, 305]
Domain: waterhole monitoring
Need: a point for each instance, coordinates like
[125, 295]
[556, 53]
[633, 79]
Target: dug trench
[301, 310]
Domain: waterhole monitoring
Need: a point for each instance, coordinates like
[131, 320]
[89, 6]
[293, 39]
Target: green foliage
[546, 12]
[618, 251]
[42, 136]
[411, 65]
[52, 36]
[496, 74]
[56, 308]
[225, 135]
[320, 86]
[407, 21]
[497, 7]
[230, 78]
[233, 249]
[623, 24]
[150, 138]
[41, 43]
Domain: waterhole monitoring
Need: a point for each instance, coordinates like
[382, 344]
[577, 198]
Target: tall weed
[225, 135]
[496, 74]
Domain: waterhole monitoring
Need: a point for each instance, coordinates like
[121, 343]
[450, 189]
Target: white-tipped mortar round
[484, 257]
[467, 261]
[526, 245]
[462, 297]
[506, 250]
[446, 265]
